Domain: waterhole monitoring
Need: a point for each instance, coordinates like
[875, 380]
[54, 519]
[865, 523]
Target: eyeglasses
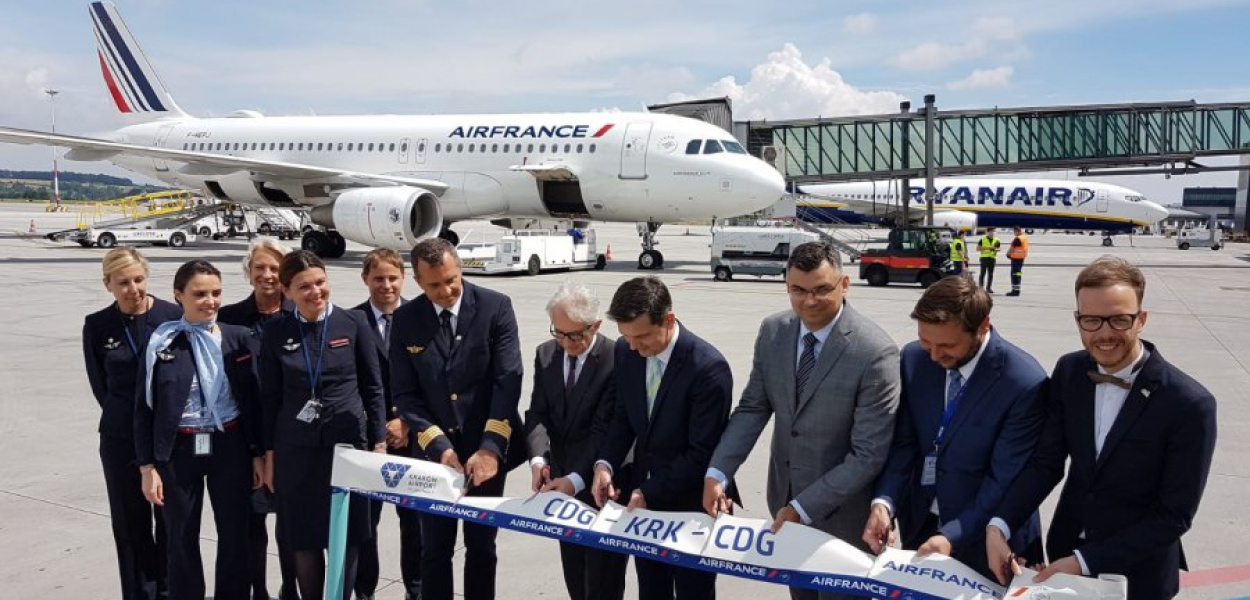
[821, 293]
[1093, 323]
[572, 336]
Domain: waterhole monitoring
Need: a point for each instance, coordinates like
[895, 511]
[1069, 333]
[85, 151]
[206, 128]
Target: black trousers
[368, 568]
[987, 272]
[258, 558]
[593, 574]
[662, 581]
[1017, 271]
[138, 529]
[227, 472]
[438, 546]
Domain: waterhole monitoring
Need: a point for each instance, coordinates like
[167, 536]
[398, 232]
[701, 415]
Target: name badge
[203, 444]
[928, 475]
[310, 412]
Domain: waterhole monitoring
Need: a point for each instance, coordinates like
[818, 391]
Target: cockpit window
[693, 146]
[712, 147]
[734, 147]
[1134, 198]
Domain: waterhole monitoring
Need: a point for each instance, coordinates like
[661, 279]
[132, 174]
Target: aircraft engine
[389, 217]
[955, 219]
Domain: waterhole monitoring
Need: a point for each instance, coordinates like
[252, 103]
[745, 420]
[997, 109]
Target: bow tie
[1098, 377]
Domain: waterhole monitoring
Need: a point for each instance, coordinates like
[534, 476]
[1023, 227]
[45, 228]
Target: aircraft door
[634, 150]
[421, 148]
[403, 151]
[162, 135]
[1102, 201]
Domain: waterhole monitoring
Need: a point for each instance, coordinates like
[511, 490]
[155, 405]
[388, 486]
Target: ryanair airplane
[390, 181]
[968, 203]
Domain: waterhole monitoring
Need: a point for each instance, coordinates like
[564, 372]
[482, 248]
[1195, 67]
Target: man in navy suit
[1139, 434]
[383, 273]
[969, 418]
[673, 394]
[456, 380]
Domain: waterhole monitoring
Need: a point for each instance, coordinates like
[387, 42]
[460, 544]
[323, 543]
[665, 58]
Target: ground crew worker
[1018, 251]
[958, 250]
[989, 255]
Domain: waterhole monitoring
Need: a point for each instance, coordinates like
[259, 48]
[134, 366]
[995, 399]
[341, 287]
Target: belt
[227, 426]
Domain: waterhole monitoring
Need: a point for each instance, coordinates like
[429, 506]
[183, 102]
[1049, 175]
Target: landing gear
[326, 244]
[650, 259]
[1107, 242]
[449, 235]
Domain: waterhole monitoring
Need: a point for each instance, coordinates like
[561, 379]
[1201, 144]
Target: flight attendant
[197, 423]
[320, 386]
[113, 342]
[264, 305]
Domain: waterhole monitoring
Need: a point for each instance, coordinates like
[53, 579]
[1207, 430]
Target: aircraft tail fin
[132, 82]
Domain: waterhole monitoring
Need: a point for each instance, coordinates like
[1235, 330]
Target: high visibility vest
[1019, 249]
[989, 248]
[957, 250]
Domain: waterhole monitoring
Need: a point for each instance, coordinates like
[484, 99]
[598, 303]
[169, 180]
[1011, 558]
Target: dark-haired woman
[113, 341]
[321, 386]
[197, 425]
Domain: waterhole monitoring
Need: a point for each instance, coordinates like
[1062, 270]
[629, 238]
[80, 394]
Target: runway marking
[1216, 576]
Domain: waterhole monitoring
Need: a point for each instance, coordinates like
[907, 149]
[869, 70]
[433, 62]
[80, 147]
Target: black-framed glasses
[1093, 323]
[572, 336]
[821, 293]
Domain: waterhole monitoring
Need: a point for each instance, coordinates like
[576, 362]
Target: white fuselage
[630, 166]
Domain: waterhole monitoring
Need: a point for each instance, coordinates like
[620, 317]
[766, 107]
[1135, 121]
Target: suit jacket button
[454, 397]
[794, 433]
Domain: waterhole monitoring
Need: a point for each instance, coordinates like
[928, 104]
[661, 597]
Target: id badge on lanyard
[311, 411]
[928, 472]
[204, 444]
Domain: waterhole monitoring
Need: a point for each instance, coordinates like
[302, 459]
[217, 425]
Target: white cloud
[984, 78]
[998, 33]
[786, 87]
[860, 24]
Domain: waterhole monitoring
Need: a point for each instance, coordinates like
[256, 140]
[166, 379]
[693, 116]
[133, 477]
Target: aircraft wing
[203, 163]
[548, 172]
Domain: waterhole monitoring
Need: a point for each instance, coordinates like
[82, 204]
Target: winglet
[132, 82]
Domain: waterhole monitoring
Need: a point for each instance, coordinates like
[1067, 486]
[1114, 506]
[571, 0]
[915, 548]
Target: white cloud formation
[786, 87]
[999, 33]
[984, 78]
[860, 24]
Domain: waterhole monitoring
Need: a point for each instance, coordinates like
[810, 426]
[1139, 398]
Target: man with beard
[969, 417]
[1139, 434]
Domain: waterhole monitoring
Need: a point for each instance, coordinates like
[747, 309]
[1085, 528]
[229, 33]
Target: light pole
[56, 180]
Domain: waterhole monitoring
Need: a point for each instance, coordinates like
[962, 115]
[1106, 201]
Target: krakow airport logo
[393, 473]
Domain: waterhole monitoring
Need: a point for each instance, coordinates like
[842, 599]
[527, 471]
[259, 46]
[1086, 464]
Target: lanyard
[130, 340]
[315, 374]
[947, 415]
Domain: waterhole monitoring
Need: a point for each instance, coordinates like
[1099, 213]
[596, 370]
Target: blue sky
[776, 60]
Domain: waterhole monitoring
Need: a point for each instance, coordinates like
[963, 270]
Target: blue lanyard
[951, 406]
[315, 374]
[130, 340]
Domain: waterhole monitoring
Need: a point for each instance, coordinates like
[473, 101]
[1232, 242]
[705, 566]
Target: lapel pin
[415, 349]
[112, 344]
[165, 355]
[1145, 392]
[290, 345]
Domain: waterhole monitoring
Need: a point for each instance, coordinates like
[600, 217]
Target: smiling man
[1139, 434]
[969, 417]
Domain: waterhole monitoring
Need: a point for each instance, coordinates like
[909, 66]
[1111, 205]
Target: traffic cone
[608, 255]
[32, 227]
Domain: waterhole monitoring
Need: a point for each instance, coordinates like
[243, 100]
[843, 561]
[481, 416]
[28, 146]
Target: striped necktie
[655, 372]
[807, 363]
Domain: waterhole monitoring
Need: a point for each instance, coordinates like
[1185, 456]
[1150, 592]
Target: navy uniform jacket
[350, 388]
[244, 314]
[672, 448]
[384, 358]
[464, 397]
[1139, 495]
[156, 428]
[991, 435]
[112, 364]
[567, 429]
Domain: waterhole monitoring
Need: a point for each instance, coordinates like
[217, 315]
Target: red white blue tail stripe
[130, 78]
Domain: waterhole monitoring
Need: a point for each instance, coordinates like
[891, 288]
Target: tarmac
[55, 539]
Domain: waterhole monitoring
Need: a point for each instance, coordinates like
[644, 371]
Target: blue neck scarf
[209, 364]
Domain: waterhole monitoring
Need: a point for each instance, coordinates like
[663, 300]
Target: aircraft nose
[767, 185]
[1155, 213]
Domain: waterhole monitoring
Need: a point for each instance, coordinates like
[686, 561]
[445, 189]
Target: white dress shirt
[538, 461]
[455, 311]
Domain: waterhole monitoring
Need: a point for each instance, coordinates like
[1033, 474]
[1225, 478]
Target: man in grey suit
[831, 377]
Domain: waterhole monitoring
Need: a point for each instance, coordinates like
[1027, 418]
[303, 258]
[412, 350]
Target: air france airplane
[390, 181]
[968, 203]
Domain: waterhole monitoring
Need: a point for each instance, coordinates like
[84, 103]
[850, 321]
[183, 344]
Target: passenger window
[459, 147]
[712, 147]
[530, 148]
[542, 148]
[349, 146]
[403, 147]
[506, 147]
[371, 146]
[592, 148]
[693, 146]
[282, 146]
[392, 147]
[470, 148]
[438, 148]
[420, 147]
[568, 148]
[579, 148]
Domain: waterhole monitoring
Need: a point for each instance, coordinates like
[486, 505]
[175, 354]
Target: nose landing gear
[650, 259]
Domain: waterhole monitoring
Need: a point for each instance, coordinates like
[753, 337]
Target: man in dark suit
[1139, 434]
[456, 380]
[673, 395]
[969, 418]
[383, 273]
[572, 403]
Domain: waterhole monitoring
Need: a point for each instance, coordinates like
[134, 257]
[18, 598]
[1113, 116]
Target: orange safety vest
[1019, 249]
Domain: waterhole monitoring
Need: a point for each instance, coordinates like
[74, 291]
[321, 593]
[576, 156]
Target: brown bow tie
[1097, 377]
